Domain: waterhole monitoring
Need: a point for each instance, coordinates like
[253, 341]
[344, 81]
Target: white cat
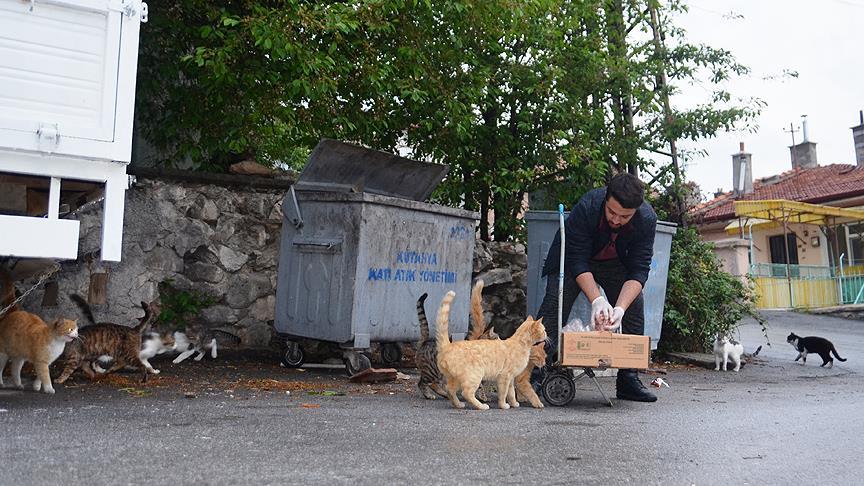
[726, 349]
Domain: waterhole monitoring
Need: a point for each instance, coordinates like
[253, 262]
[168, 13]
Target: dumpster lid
[342, 167]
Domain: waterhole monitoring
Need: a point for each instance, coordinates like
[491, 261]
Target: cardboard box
[605, 350]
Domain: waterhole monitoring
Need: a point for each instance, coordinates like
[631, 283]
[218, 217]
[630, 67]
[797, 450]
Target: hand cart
[559, 385]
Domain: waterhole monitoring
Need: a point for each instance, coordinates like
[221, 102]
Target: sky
[823, 40]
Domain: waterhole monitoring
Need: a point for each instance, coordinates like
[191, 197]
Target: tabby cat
[152, 344]
[198, 338]
[26, 337]
[426, 356]
[465, 364]
[121, 343]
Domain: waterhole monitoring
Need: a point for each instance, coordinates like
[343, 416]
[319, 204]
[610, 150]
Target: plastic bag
[575, 325]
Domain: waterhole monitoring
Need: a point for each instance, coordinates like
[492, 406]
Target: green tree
[516, 96]
[701, 299]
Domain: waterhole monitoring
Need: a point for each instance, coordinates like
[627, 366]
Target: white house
[67, 92]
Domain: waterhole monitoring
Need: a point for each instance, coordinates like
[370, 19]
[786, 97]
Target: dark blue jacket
[585, 238]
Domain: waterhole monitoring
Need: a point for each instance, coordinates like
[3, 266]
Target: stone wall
[503, 267]
[217, 239]
[222, 239]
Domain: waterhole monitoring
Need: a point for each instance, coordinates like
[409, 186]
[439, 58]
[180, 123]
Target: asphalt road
[774, 422]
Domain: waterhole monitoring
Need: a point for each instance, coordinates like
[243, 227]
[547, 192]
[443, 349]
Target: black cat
[814, 344]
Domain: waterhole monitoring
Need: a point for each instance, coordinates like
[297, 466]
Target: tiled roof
[815, 185]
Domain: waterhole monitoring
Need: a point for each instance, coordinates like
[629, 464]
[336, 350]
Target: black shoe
[628, 387]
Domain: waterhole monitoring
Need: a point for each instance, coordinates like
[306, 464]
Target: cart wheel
[391, 353]
[558, 389]
[293, 357]
[359, 363]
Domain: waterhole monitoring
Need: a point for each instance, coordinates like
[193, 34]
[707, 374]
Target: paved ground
[231, 421]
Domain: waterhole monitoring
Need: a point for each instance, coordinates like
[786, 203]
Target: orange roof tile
[815, 185]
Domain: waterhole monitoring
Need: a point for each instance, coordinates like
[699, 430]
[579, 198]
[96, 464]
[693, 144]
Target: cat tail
[149, 317]
[478, 324]
[834, 350]
[424, 322]
[84, 306]
[224, 333]
[442, 323]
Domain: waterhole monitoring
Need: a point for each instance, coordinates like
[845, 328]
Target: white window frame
[853, 258]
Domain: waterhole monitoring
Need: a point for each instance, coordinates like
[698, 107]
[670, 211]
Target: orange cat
[465, 364]
[26, 337]
[537, 358]
[524, 390]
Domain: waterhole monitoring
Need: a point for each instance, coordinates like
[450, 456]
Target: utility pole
[668, 118]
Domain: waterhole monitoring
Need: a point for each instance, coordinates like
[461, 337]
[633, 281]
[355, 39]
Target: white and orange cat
[465, 364]
[26, 337]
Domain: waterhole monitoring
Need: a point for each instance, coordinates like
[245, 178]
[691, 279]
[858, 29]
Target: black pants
[609, 274]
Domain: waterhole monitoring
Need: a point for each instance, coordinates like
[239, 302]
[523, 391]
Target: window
[855, 243]
[778, 253]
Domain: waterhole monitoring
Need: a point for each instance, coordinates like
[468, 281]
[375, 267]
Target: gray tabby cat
[198, 338]
[426, 357]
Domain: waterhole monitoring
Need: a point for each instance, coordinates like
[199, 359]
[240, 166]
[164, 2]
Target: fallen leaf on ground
[310, 405]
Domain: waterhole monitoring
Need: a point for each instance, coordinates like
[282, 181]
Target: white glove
[615, 320]
[601, 313]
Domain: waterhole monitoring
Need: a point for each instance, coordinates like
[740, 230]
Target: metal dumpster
[542, 226]
[359, 246]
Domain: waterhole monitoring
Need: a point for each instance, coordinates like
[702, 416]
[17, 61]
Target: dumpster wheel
[356, 362]
[294, 356]
[558, 388]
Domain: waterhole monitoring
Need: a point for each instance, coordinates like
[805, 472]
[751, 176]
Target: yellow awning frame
[794, 211]
[769, 213]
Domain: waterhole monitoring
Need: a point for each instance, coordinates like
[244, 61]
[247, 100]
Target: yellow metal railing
[774, 293]
[806, 286]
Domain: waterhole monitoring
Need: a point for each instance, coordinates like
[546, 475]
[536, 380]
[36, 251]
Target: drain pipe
[750, 262]
[840, 281]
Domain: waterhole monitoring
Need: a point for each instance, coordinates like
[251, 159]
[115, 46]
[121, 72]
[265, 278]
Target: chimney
[858, 138]
[742, 172]
[804, 153]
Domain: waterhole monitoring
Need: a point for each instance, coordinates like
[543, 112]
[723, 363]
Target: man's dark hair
[627, 189]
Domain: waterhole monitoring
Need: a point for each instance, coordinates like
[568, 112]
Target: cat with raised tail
[537, 358]
[465, 364]
[121, 343]
[813, 345]
[426, 357]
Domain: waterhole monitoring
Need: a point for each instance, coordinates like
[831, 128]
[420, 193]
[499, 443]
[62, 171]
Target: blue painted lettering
[379, 274]
[414, 257]
[460, 233]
